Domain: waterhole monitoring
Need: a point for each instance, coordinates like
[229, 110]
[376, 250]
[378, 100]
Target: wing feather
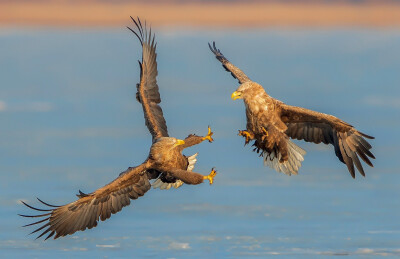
[235, 72]
[99, 205]
[147, 90]
[311, 126]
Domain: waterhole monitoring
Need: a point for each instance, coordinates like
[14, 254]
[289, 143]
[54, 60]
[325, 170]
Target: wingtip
[50, 235]
[47, 204]
[29, 206]
[366, 136]
[213, 48]
[216, 49]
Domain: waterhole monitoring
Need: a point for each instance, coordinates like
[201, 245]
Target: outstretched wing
[89, 208]
[235, 72]
[147, 91]
[311, 126]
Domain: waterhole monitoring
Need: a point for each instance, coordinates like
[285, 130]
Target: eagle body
[272, 124]
[262, 120]
[162, 160]
[265, 125]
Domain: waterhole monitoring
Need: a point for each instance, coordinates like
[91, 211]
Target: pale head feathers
[250, 89]
[164, 144]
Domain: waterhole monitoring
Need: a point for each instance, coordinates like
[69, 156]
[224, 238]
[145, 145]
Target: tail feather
[289, 167]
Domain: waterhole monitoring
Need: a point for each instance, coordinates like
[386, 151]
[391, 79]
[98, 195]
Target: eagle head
[166, 144]
[246, 89]
[164, 147]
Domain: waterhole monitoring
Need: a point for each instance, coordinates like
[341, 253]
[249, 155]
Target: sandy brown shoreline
[194, 14]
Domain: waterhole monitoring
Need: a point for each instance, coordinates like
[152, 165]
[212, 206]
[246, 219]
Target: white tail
[289, 167]
[178, 183]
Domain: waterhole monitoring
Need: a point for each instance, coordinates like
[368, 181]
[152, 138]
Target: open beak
[179, 142]
[236, 95]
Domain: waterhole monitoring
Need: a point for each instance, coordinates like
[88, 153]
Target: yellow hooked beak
[179, 142]
[236, 95]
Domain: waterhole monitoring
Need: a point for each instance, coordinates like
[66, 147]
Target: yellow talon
[211, 176]
[265, 131]
[245, 134]
[209, 134]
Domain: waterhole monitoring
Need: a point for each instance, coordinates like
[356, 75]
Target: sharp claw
[245, 134]
[265, 131]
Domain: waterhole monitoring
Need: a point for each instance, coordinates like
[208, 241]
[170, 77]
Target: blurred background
[70, 121]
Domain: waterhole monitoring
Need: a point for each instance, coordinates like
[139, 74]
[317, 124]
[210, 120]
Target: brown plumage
[271, 124]
[165, 160]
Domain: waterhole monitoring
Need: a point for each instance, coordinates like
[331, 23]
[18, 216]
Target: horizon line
[236, 15]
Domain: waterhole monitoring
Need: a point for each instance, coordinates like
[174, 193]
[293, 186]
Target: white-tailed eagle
[165, 162]
[272, 123]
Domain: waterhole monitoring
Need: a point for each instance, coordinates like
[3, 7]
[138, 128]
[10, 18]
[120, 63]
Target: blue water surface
[69, 121]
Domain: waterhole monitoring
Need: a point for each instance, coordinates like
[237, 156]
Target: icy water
[69, 121]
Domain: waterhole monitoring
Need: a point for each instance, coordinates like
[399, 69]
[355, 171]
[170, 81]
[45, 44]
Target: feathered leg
[192, 139]
[192, 177]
